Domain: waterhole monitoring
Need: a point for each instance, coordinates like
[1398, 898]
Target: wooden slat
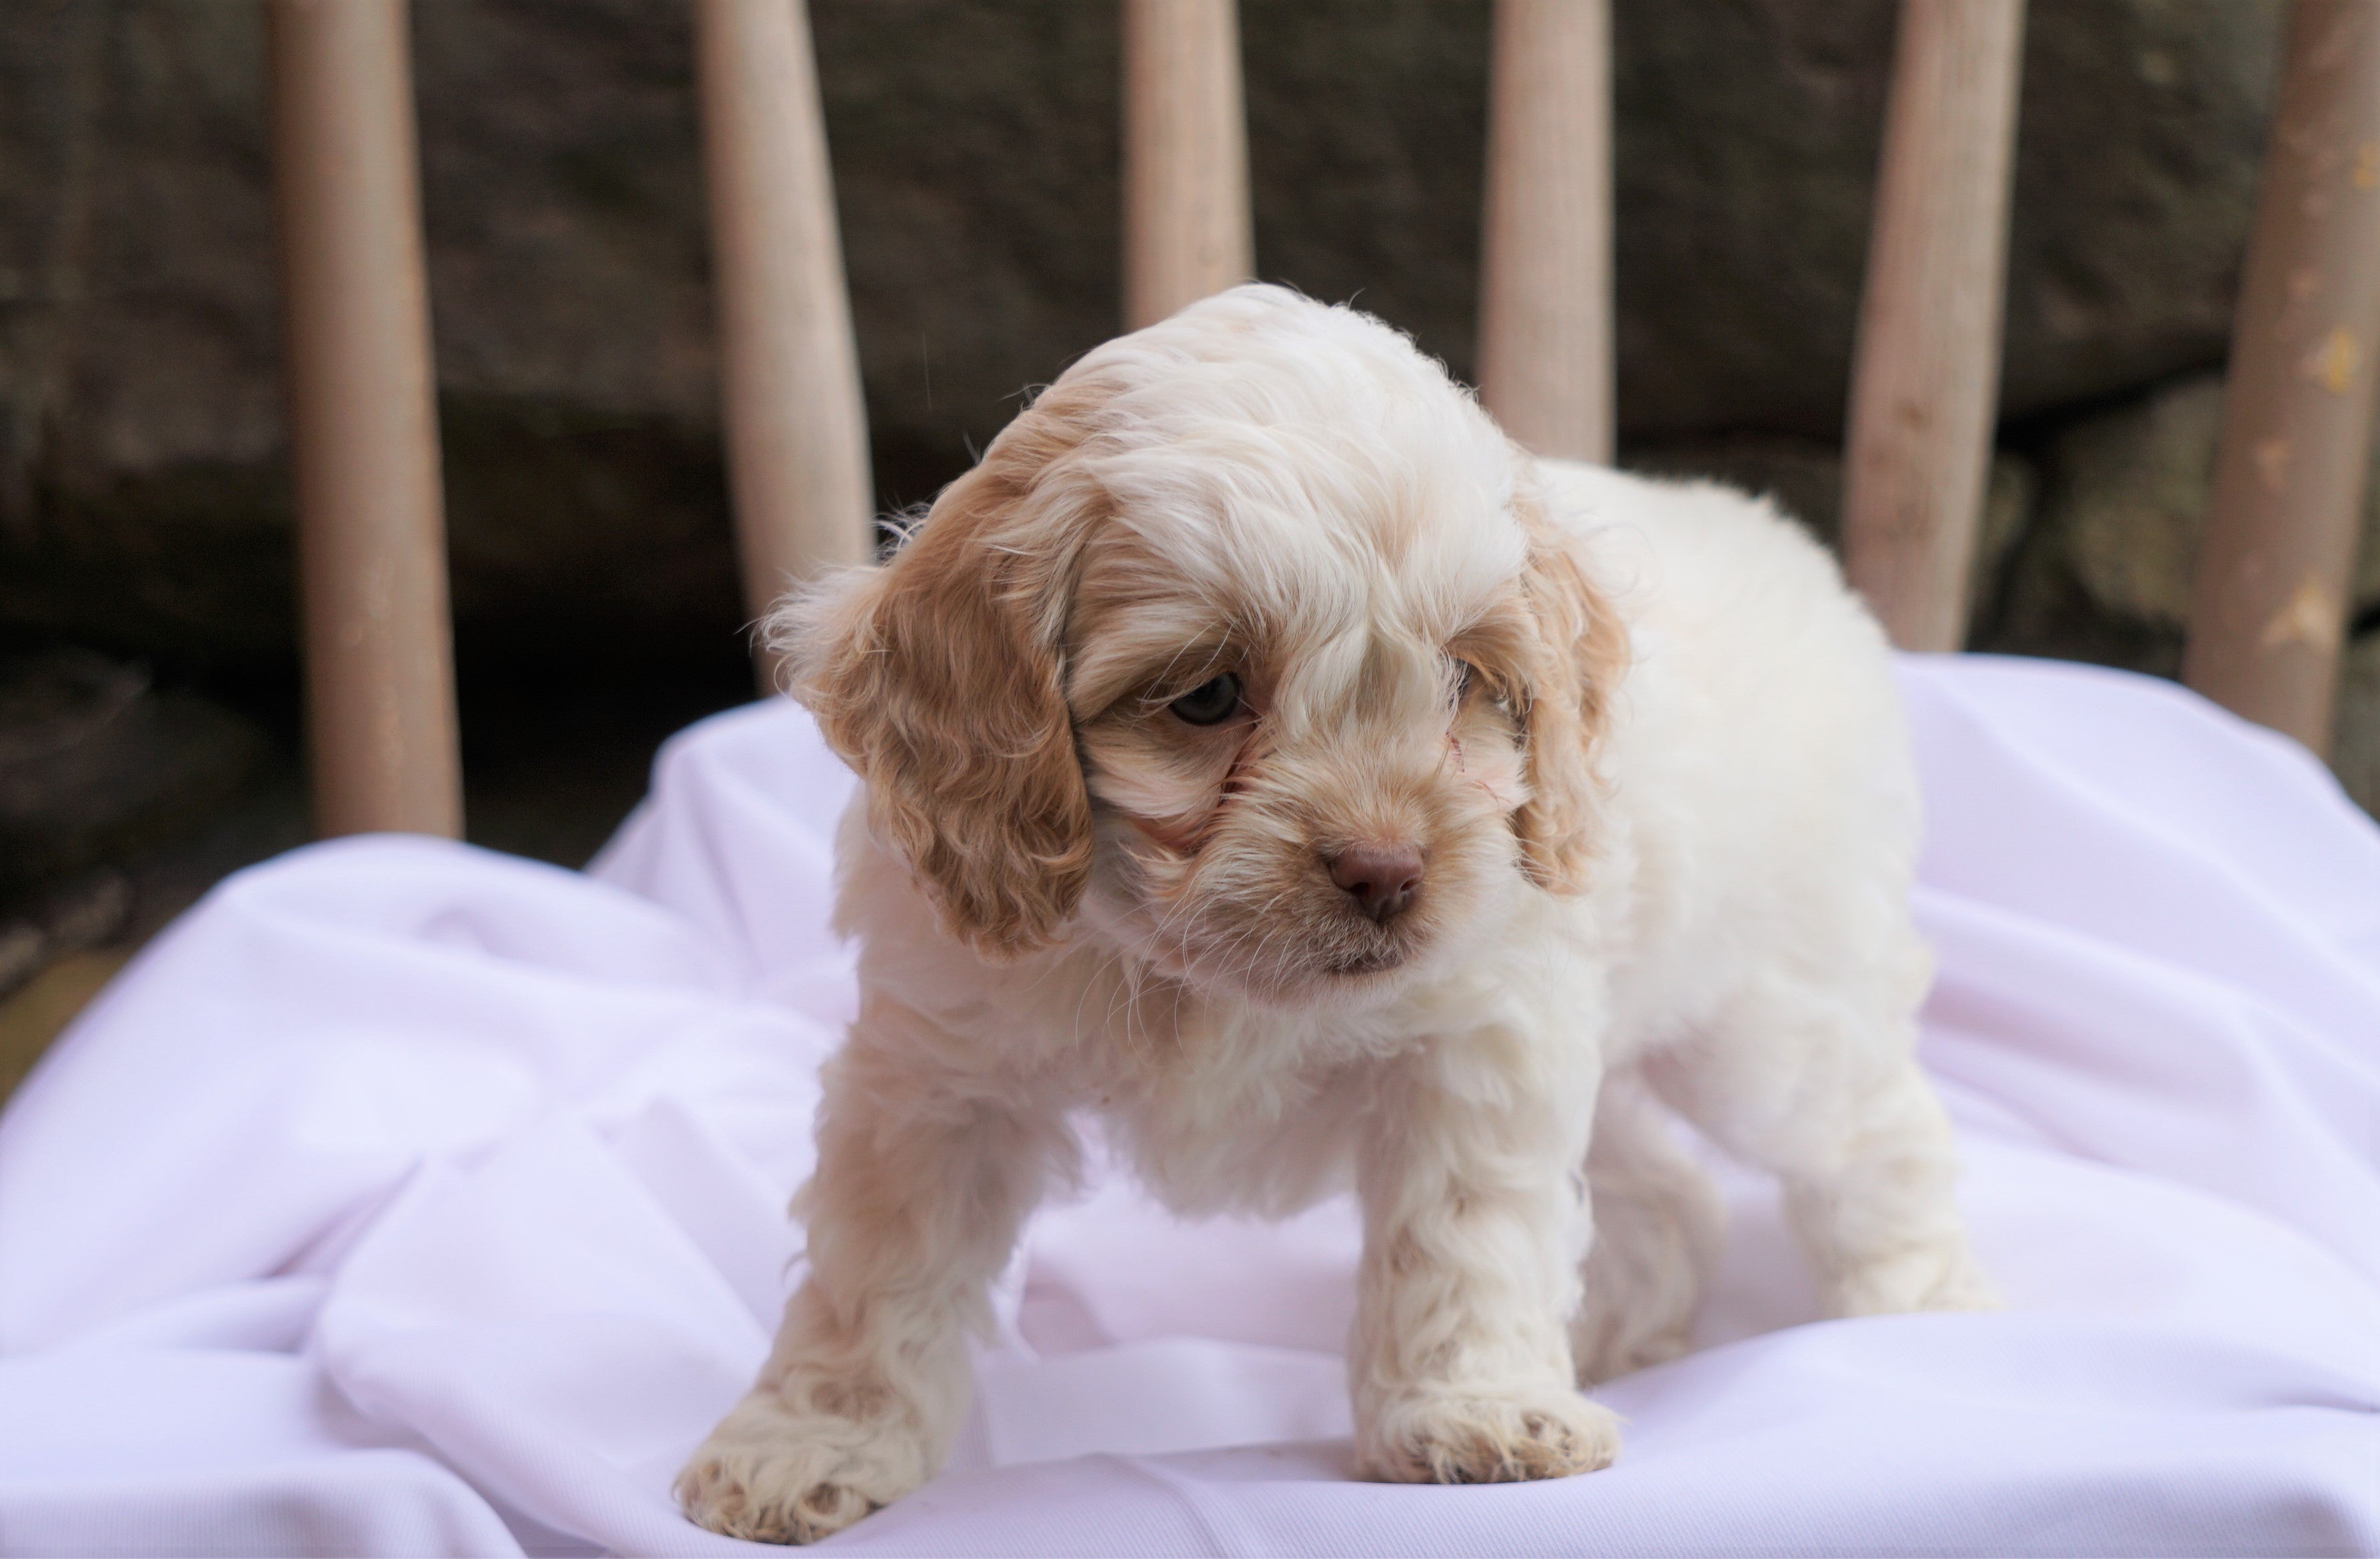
[2269, 606]
[1925, 379]
[1544, 260]
[363, 426]
[1186, 231]
[795, 420]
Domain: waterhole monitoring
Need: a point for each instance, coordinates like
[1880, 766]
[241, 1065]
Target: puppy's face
[1296, 696]
[1242, 650]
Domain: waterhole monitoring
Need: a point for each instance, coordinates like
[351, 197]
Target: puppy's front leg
[1475, 1219]
[920, 1188]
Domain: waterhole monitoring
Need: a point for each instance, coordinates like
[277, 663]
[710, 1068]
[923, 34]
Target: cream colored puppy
[1264, 754]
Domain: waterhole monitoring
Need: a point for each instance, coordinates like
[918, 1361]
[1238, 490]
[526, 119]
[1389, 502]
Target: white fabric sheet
[407, 1198]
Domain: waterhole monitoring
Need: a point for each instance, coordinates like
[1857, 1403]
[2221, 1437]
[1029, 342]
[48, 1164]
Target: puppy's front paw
[1446, 1434]
[770, 1474]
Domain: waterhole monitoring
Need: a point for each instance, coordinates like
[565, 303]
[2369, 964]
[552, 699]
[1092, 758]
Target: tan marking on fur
[1581, 654]
[921, 670]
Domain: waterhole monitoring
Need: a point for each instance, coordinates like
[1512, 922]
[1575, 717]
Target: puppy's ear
[1581, 654]
[937, 677]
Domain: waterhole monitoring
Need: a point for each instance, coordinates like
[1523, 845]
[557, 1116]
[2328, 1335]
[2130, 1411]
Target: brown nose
[1382, 879]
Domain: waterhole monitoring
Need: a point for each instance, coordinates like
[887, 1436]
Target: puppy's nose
[1382, 879]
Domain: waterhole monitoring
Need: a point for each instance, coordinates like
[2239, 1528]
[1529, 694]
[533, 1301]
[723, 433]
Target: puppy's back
[1757, 753]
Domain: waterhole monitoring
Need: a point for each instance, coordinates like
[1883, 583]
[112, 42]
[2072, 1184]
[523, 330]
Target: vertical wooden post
[2269, 606]
[1925, 378]
[1545, 252]
[363, 422]
[795, 419]
[1186, 230]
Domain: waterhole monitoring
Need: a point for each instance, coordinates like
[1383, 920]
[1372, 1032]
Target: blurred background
[150, 736]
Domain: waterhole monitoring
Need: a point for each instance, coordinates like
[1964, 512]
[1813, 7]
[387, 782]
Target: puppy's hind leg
[1817, 1081]
[1879, 1218]
[1658, 1226]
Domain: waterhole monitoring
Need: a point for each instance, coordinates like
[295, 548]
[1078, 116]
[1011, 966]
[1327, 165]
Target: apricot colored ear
[1582, 655]
[937, 677]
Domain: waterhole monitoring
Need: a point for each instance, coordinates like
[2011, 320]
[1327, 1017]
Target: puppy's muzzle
[1383, 879]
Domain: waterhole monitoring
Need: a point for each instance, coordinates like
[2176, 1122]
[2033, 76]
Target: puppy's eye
[1209, 703]
[1469, 680]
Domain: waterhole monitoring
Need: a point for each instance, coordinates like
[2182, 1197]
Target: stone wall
[143, 501]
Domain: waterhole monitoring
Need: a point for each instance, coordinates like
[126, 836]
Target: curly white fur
[1646, 749]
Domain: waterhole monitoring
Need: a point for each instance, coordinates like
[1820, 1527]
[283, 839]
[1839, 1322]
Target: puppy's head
[1247, 648]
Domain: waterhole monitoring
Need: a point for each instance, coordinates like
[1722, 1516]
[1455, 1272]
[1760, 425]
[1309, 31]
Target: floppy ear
[1581, 654]
[937, 677]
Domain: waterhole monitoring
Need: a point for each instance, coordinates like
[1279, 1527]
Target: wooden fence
[2268, 621]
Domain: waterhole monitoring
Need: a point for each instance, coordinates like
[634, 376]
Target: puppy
[1262, 753]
